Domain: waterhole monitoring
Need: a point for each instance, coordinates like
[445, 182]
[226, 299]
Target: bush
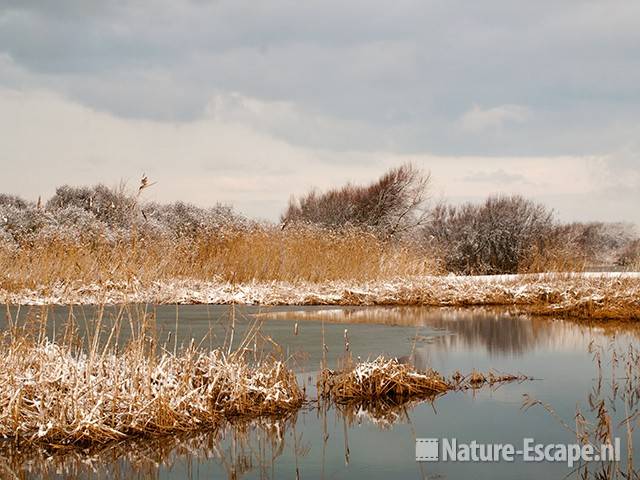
[77, 225]
[501, 235]
[12, 201]
[596, 243]
[181, 219]
[392, 205]
[24, 224]
[114, 207]
[630, 256]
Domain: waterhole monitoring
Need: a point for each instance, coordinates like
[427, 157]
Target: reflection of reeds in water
[60, 394]
[595, 425]
[498, 330]
[238, 448]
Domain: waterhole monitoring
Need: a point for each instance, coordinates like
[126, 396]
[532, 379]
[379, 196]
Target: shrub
[391, 205]
[13, 201]
[113, 206]
[630, 256]
[75, 224]
[596, 243]
[501, 235]
[24, 224]
[181, 219]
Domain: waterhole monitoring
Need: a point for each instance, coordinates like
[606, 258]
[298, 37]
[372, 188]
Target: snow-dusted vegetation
[89, 239]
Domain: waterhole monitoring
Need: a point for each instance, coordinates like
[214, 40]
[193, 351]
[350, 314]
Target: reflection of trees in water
[237, 449]
[495, 330]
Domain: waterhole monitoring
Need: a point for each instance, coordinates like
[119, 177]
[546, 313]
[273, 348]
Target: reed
[612, 410]
[394, 383]
[379, 379]
[236, 255]
[64, 394]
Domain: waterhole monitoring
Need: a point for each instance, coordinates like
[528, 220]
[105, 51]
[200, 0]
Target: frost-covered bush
[7, 242]
[501, 235]
[75, 224]
[24, 224]
[181, 219]
[598, 243]
[630, 256]
[114, 207]
[12, 200]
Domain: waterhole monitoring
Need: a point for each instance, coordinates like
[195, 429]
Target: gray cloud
[490, 79]
[411, 71]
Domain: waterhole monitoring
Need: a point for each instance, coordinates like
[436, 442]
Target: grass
[390, 380]
[265, 253]
[61, 394]
[379, 379]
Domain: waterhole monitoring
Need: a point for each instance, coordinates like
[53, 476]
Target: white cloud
[493, 119]
[227, 156]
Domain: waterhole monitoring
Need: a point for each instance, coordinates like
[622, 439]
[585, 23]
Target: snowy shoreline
[595, 294]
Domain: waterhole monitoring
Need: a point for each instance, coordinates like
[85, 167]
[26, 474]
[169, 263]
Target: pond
[329, 442]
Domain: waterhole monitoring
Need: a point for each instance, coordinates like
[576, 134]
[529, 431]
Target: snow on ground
[552, 288]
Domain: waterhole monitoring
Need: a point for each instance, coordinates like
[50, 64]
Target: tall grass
[86, 391]
[264, 253]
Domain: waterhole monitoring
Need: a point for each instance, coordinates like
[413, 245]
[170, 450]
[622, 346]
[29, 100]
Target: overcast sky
[248, 102]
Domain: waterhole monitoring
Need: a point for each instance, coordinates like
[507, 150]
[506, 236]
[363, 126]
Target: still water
[329, 442]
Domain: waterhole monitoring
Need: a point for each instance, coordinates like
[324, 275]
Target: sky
[249, 102]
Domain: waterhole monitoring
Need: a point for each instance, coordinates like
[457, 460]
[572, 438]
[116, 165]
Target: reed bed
[61, 395]
[231, 254]
[476, 379]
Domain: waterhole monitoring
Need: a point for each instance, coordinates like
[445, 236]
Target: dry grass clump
[60, 395]
[394, 383]
[379, 379]
[478, 379]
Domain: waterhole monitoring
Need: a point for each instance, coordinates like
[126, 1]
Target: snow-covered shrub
[114, 207]
[75, 224]
[630, 256]
[500, 235]
[13, 201]
[181, 219]
[7, 242]
[597, 243]
[24, 224]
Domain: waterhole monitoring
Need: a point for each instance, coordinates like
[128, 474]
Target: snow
[427, 290]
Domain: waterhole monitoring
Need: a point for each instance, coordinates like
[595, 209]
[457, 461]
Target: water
[334, 443]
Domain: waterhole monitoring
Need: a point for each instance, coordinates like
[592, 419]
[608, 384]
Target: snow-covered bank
[599, 295]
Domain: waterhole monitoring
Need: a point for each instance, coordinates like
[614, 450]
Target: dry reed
[394, 383]
[61, 395]
[379, 379]
[266, 253]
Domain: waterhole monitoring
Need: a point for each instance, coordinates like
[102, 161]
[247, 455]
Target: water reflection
[236, 450]
[378, 441]
[497, 331]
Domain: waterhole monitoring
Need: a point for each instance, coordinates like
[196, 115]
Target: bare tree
[393, 205]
